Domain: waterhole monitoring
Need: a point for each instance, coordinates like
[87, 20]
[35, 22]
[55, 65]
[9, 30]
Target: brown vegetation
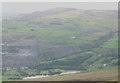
[105, 75]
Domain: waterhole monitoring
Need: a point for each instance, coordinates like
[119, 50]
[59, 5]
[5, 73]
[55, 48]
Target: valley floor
[104, 75]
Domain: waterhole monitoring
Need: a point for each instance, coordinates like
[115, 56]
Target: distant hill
[61, 38]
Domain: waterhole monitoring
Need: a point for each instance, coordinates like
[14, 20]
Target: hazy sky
[28, 7]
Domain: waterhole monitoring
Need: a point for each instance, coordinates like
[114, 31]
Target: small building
[99, 54]
[24, 67]
[73, 37]
[105, 65]
[10, 68]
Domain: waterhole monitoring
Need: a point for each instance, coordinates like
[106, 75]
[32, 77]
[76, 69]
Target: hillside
[58, 40]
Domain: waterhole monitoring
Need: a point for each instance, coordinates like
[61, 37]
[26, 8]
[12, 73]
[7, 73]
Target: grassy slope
[100, 22]
[11, 74]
